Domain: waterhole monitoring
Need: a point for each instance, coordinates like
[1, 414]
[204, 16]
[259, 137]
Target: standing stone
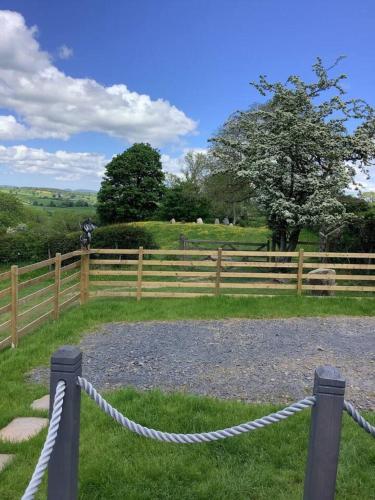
[231, 224]
[329, 280]
[217, 221]
[226, 221]
[173, 221]
[199, 220]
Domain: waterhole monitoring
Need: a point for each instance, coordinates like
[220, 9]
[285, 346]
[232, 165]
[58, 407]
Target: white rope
[193, 438]
[48, 444]
[357, 417]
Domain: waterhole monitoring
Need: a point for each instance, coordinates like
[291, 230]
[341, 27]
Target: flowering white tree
[296, 152]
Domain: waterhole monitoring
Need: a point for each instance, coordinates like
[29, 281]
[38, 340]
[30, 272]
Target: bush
[32, 246]
[183, 202]
[122, 236]
[18, 247]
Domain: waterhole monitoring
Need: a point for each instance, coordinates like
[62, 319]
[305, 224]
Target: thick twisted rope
[357, 417]
[48, 444]
[193, 438]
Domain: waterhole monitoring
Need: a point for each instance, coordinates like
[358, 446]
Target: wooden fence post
[14, 305]
[56, 302]
[139, 274]
[218, 271]
[300, 271]
[66, 365]
[325, 430]
[85, 270]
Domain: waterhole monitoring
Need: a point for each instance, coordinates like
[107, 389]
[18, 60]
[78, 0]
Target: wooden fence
[32, 294]
[161, 273]
[196, 244]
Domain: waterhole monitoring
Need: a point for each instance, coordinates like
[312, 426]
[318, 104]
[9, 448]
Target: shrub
[33, 246]
[122, 236]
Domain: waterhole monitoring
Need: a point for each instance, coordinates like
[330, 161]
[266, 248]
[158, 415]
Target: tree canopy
[295, 152]
[132, 187]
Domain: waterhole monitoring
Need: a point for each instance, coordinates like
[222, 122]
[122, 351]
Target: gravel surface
[250, 360]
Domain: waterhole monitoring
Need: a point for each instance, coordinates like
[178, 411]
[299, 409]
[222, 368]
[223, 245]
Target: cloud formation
[61, 165]
[65, 52]
[46, 103]
[70, 166]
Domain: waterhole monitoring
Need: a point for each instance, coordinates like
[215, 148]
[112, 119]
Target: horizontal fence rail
[193, 273]
[33, 294]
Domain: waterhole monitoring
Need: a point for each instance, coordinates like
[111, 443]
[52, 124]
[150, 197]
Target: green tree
[296, 153]
[12, 210]
[132, 187]
[183, 202]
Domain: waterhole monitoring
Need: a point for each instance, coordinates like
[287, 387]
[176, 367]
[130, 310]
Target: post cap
[67, 358]
[328, 380]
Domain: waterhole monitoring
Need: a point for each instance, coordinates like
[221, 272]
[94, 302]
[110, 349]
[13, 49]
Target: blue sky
[80, 81]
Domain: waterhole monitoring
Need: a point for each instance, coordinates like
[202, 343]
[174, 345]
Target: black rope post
[325, 431]
[66, 365]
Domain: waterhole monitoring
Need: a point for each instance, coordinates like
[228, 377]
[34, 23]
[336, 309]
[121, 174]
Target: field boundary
[32, 294]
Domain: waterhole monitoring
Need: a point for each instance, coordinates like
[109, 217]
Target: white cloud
[61, 165]
[65, 52]
[54, 105]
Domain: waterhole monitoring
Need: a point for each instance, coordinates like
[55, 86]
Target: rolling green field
[115, 464]
[44, 196]
[167, 235]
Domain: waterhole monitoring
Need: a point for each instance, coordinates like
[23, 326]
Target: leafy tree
[132, 187]
[12, 210]
[296, 153]
[183, 202]
[369, 196]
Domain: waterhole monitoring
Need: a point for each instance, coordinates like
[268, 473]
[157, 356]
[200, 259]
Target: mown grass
[115, 464]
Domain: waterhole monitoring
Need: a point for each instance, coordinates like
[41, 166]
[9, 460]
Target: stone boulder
[329, 279]
[173, 221]
[199, 220]
[226, 221]
[217, 221]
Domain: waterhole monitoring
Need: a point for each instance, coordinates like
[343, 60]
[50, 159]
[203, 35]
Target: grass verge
[117, 464]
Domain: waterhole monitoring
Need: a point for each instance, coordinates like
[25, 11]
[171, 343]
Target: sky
[82, 81]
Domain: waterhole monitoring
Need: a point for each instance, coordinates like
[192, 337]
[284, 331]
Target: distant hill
[53, 197]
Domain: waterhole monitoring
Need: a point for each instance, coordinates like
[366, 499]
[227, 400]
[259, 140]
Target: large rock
[217, 221]
[329, 279]
[226, 221]
[173, 221]
[199, 220]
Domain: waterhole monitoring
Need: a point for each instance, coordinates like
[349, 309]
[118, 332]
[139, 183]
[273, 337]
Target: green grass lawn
[117, 464]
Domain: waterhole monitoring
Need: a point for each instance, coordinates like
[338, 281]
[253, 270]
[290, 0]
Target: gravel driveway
[251, 360]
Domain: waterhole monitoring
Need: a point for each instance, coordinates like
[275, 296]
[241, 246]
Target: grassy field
[267, 463]
[43, 196]
[167, 235]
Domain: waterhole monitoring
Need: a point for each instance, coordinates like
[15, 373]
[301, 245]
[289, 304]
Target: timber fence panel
[171, 273]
